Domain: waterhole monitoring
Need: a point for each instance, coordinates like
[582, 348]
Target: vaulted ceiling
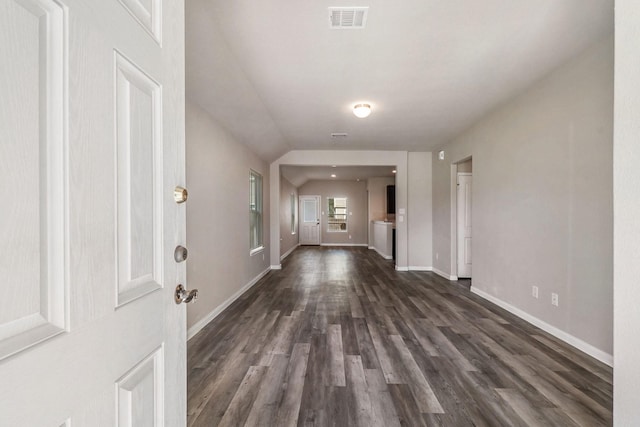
[278, 78]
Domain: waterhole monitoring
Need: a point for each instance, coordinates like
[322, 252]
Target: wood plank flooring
[339, 338]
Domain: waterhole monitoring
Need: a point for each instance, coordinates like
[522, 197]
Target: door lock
[180, 254]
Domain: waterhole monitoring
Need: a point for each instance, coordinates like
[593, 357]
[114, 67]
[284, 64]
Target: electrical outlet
[554, 299]
[349, 236]
[534, 291]
[437, 255]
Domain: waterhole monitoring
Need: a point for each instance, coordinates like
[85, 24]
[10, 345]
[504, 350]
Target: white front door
[91, 149]
[464, 225]
[310, 224]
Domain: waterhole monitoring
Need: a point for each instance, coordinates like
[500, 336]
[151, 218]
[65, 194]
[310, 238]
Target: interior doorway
[462, 238]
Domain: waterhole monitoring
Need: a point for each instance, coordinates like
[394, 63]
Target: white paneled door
[91, 150]
[310, 224]
[464, 225]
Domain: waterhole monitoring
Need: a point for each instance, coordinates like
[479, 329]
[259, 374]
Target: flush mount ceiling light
[362, 110]
[333, 175]
[394, 171]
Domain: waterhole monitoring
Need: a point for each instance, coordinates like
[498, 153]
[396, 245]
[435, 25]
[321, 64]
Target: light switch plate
[401, 211]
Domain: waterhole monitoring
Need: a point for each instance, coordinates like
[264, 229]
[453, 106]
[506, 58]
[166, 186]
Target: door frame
[458, 175]
[454, 217]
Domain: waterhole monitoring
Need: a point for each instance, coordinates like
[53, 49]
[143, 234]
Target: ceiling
[278, 78]
[298, 175]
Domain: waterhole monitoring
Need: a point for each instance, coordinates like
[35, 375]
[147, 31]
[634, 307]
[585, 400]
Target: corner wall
[542, 202]
[218, 216]
[288, 240]
[419, 211]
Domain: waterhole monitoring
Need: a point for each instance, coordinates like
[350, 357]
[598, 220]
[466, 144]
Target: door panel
[310, 224]
[140, 393]
[92, 131]
[139, 146]
[32, 226]
[464, 225]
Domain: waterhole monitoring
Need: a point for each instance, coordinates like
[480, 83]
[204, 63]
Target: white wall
[542, 201]
[419, 211]
[626, 157]
[466, 166]
[218, 166]
[356, 194]
[288, 240]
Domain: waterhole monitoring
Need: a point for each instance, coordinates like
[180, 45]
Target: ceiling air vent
[347, 18]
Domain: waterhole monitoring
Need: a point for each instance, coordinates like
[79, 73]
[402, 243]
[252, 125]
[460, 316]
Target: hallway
[338, 337]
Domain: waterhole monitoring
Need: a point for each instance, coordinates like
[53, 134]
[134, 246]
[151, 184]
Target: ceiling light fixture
[362, 110]
[394, 171]
[333, 175]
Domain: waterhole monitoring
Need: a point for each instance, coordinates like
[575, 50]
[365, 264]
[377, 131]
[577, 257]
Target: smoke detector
[348, 18]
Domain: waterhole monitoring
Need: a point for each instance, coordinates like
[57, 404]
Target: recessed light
[394, 171]
[334, 166]
[333, 175]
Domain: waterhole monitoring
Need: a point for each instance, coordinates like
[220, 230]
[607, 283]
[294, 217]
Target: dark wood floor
[338, 337]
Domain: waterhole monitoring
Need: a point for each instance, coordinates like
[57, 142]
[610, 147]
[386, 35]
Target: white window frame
[345, 214]
[256, 217]
[293, 210]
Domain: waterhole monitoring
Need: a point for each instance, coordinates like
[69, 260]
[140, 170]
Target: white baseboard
[418, 268]
[286, 254]
[276, 267]
[197, 327]
[343, 244]
[445, 275]
[383, 255]
[398, 268]
[585, 347]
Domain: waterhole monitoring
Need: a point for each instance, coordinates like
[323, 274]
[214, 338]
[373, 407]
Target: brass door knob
[180, 194]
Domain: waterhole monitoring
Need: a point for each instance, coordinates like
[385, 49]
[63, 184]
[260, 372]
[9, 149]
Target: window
[337, 214]
[292, 200]
[255, 211]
